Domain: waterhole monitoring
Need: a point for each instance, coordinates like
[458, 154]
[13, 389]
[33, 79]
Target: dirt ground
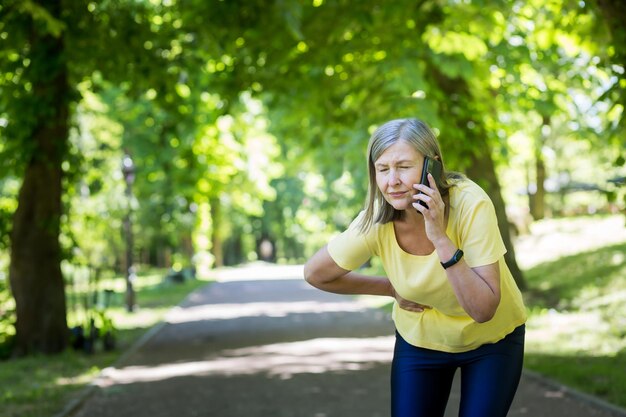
[263, 343]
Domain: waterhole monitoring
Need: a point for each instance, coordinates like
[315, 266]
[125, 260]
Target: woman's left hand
[407, 305]
[434, 214]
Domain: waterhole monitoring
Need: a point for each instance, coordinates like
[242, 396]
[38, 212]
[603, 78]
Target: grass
[577, 323]
[42, 385]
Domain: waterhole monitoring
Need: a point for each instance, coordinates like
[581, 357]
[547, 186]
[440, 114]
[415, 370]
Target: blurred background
[146, 143]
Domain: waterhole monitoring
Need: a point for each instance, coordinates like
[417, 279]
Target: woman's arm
[322, 272]
[476, 289]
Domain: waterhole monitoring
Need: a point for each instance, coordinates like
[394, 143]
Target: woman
[457, 305]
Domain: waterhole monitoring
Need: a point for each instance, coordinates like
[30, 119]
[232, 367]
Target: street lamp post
[128, 169]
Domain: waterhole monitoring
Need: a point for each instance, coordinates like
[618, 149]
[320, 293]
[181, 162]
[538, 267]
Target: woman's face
[397, 169]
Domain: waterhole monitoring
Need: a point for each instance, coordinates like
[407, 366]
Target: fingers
[422, 202]
[409, 305]
[414, 307]
[430, 191]
[432, 182]
[428, 196]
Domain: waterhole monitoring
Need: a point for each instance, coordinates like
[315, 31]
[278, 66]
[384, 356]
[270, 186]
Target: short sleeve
[352, 248]
[480, 237]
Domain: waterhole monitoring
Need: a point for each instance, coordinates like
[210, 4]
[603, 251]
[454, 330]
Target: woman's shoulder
[372, 234]
[361, 226]
[466, 191]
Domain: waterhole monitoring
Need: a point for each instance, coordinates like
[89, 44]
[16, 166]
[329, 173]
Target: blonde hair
[415, 133]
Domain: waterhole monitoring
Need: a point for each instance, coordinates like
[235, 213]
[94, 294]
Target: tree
[35, 274]
[51, 47]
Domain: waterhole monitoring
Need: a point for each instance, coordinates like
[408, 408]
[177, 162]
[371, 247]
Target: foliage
[248, 120]
[7, 318]
[329, 93]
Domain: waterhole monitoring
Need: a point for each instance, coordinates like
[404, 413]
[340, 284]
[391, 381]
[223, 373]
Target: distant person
[456, 303]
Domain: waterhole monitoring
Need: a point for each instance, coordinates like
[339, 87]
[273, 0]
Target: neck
[413, 217]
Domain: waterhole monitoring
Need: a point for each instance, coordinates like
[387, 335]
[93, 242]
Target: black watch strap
[455, 258]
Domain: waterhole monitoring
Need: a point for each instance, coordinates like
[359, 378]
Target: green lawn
[576, 333]
[41, 386]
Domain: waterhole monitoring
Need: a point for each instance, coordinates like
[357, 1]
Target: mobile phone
[434, 167]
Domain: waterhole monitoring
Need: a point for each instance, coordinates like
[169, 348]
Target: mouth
[397, 194]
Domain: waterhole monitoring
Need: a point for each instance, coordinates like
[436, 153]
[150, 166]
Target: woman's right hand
[407, 304]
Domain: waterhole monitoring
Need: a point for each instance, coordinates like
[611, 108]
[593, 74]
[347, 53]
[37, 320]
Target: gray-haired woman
[457, 305]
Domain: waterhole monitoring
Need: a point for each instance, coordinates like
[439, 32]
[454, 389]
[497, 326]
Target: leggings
[421, 379]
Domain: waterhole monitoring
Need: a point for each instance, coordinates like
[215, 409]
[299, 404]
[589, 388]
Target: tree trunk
[614, 14]
[482, 170]
[217, 239]
[35, 272]
[538, 207]
[455, 109]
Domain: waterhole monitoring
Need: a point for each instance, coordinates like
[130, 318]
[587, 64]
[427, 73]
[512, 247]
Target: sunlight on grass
[572, 333]
[576, 332]
[142, 317]
[39, 385]
[554, 238]
[80, 379]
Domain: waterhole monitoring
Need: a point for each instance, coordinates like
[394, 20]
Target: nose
[394, 178]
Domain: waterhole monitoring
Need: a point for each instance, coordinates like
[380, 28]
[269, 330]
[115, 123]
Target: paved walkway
[260, 347]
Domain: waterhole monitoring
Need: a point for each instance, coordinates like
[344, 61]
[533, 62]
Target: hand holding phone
[433, 167]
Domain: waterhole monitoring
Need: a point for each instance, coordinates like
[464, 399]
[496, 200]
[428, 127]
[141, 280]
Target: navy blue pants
[421, 379]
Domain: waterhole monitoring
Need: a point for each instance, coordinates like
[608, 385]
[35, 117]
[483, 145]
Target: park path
[261, 342]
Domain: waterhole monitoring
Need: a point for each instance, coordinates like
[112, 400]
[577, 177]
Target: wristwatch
[455, 258]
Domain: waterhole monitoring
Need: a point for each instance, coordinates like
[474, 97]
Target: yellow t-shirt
[473, 227]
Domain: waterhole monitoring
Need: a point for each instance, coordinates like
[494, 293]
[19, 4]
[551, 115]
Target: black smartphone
[433, 167]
